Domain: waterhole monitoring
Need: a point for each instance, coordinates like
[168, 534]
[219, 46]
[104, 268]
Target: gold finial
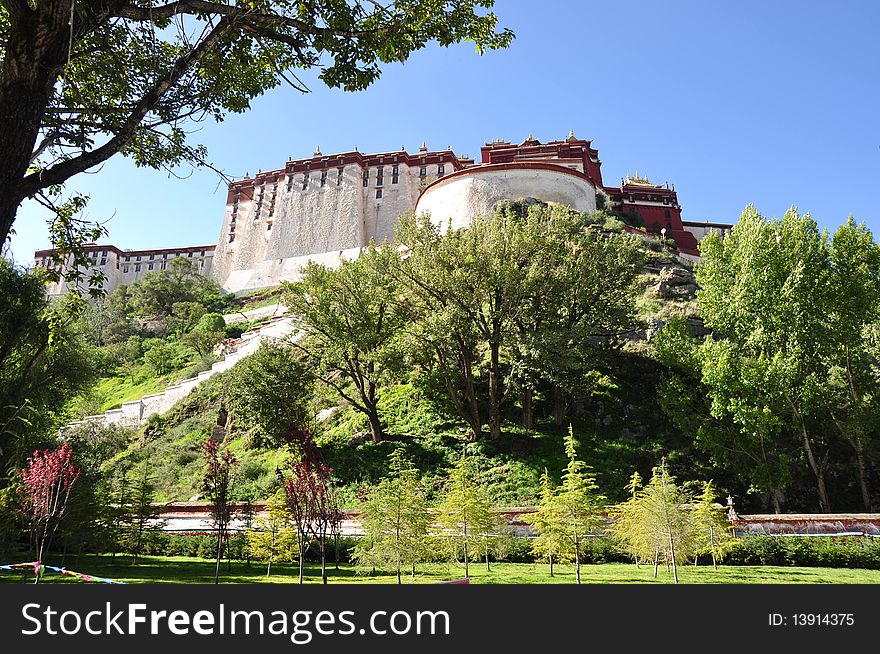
[571, 135]
[531, 138]
[317, 151]
[424, 147]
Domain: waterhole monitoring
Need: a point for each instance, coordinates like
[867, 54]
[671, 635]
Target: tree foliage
[395, 519]
[466, 519]
[351, 323]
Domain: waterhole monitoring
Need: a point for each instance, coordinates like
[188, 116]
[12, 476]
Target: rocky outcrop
[676, 281]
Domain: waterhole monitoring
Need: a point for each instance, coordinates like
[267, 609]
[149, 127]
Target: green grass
[113, 391]
[186, 570]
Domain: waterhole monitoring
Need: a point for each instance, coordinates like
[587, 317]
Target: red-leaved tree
[47, 480]
[215, 485]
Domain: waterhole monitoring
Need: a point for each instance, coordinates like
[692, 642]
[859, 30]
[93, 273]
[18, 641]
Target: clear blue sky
[773, 103]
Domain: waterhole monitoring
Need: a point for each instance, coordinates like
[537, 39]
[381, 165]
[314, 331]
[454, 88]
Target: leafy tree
[395, 519]
[216, 486]
[47, 481]
[550, 543]
[578, 504]
[351, 323]
[165, 358]
[788, 307]
[579, 299]
[184, 317]
[465, 512]
[273, 388]
[83, 81]
[273, 538]
[853, 374]
[180, 286]
[44, 360]
[713, 531]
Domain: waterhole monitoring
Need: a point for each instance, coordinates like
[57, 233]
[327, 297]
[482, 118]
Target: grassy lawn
[186, 570]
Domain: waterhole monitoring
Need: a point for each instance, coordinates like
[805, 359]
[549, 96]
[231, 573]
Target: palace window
[103, 261]
[366, 176]
[125, 270]
[150, 267]
[423, 171]
[339, 176]
[138, 258]
[231, 237]
[378, 193]
[137, 267]
[152, 256]
[379, 177]
[441, 169]
[164, 265]
[323, 178]
[305, 181]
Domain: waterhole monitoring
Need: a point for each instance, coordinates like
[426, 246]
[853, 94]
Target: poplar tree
[667, 520]
[465, 512]
[395, 518]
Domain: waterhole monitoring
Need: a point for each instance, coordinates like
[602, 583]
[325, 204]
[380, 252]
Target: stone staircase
[136, 412]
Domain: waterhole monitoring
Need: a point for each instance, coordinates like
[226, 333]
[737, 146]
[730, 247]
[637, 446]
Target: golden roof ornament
[424, 147]
[571, 135]
[635, 180]
[317, 151]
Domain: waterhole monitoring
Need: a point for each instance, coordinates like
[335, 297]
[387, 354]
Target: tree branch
[62, 171]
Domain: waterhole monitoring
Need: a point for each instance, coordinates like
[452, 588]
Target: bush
[807, 551]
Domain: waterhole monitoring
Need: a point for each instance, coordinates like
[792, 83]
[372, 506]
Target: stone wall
[458, 198]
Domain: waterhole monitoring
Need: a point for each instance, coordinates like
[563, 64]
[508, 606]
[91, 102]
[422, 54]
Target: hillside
[620, 427]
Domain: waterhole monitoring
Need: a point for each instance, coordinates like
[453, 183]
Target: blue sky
[773, 103]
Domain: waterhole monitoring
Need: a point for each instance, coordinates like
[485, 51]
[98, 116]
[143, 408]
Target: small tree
[395, 519]
[47, 479]
[712, 528]
[216, 483]
[549, 544]
[465, 512]
[657, 522]
[311, 500]
[274, 537]
[143, 518]
[579, 505]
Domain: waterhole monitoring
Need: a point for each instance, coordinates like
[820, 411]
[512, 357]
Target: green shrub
[807, 551]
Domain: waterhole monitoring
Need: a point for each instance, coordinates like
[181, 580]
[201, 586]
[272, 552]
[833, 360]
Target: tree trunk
[672, 556]
[302, 556]
[323, 562]
[466, 571]
[399, 581]
[494, 391]
[375, 424]
[34, 54]
[774, 498]
[714, 562]
[558, 406]
[528, 418]
[551, 564]
[577, 561]
[864, 482]
[818, 470]
[219, 555]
